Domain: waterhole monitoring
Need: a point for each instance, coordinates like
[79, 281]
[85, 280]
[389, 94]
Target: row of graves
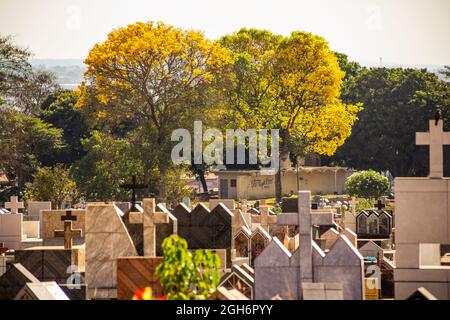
[308, 251]
[109, 250]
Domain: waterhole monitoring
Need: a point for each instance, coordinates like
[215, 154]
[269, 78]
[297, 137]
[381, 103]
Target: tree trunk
[278, 187]
[201, 176]
[284, 156]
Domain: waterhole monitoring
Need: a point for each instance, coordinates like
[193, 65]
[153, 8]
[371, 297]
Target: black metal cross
[133, 186]
[3, 249]
[68, 216]
[379, 205]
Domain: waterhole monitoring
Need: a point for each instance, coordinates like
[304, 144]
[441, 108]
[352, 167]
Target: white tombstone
[11, 230]
[435, 138]
[34, 208]
[422, 215]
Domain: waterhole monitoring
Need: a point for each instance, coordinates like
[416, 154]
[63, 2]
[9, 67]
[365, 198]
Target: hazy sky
[400, 31]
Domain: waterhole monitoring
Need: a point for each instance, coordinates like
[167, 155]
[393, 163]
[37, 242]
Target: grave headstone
[46, 264]
[41, 291]
[52, 220]
[206, 229]
[13, 280]
[11, 230]
[34, 208]
[278, 272]
[68, 232]
[229, 203]
[106, 240]
[150, 218]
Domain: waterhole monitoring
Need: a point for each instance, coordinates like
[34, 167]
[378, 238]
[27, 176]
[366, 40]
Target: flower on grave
[146, 294]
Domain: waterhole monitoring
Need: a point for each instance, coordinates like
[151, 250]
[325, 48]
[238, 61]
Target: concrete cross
[14, 204]
[68, 233]
[435, 138]
[264, 218]
[150, 218]
[302, 219]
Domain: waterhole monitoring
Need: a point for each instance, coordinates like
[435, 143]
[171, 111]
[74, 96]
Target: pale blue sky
[400, 31]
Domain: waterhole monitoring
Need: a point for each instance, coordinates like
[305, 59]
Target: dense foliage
[187, 275]
[148, 79]
[367, 184]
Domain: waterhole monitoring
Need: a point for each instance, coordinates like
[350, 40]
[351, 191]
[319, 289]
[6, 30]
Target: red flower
[143, 294]
[146, 294]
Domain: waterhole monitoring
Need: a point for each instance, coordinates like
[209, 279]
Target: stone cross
[3, 249]
[379, 205]
[14, 204]
[302, 219]
[133, 186]
[435, 138]
[68, 233]
[150, 218]
[264, 218]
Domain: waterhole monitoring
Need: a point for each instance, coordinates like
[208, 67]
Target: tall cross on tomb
[380, 205]
[302, 219]
[435, 138]
[14, 204]
[68, 233]
[133, 186]
[150, 218]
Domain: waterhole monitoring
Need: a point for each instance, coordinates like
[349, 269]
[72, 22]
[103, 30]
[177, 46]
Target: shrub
[367, 184]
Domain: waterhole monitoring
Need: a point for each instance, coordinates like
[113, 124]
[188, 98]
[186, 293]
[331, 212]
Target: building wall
[252, 185]
[422, 216]
[318, 182]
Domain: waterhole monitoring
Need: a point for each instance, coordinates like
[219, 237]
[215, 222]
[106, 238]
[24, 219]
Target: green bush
[367, 184]
[52, 184]
[187, 275]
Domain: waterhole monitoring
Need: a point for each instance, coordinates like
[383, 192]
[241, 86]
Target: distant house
[251, 184]
[196, 185]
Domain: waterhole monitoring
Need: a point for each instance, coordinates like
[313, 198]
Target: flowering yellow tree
[152, 75]
[291, 84]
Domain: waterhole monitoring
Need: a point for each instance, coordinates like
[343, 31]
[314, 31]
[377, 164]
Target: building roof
[43, 291]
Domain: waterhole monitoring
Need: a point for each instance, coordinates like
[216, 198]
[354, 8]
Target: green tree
[291, 84]
[187, 275]
[29, 94]
[26, 143]
[53, 184]
[367, 184]
[60, 110]
[13, 66]
[151, 74]
[446, 72]
[397, 103]
[176, 186]
[108, 163]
